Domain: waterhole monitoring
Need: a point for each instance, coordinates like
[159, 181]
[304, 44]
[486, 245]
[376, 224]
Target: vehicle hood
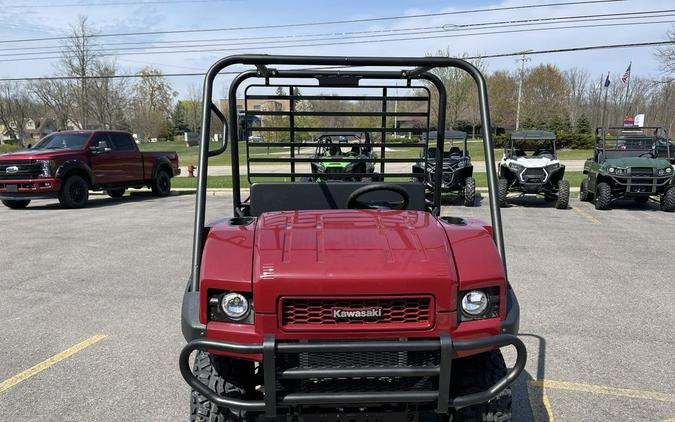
[657, 163]
[38, 154]
[326, 253]
[534, 162]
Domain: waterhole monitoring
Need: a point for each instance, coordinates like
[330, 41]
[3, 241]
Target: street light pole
[522, 60]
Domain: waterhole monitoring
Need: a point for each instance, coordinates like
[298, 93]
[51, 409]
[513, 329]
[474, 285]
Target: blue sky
[22, 19]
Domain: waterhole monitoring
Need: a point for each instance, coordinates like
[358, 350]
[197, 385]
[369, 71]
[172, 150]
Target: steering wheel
[354, 203]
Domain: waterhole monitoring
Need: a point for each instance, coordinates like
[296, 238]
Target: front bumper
[29, 188]
[271, 350]
[274, 355]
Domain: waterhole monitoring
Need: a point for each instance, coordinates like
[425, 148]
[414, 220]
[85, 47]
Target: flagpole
[604, 104]
[625, 101]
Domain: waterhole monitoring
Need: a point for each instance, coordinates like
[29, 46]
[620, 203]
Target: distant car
[67, 165]
[256, 138]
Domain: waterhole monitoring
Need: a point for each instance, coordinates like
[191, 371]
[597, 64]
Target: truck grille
[391, 313]
[534, 175]
[26, 169]
[641, 172]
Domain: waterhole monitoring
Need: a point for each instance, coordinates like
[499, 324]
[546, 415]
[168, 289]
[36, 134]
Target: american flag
[626, 75]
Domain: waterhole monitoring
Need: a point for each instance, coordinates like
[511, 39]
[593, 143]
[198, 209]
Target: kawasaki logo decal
[357, 313]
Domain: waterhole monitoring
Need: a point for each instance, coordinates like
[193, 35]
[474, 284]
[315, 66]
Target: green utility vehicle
[628, 163]
[344, 156]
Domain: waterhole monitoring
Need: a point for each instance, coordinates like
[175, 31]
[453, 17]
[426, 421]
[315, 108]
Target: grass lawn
[190, 155]
[574, 177]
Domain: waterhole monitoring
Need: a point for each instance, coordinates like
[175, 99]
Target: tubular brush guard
[270, 349]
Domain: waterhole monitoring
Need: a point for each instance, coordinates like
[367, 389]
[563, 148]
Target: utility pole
[524, 59]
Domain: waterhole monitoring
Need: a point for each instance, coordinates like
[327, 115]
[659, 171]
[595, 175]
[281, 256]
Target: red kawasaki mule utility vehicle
[342, 300]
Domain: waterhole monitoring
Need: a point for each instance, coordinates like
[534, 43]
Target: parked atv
[342, 156]
[539, 173]
[457, 174]
[350, 301]
[627, 163]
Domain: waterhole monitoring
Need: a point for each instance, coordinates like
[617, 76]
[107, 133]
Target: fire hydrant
[191, 170]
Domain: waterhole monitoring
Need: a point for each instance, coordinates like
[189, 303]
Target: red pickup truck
[67, 165]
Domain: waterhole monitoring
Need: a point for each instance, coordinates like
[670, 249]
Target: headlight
[611, 169]
[554, 166]
[47, 167]
[474, 302]
[669, 170]
[621, 171]
[661, 172]
[516, 167]
[461, 164]
[235, 306]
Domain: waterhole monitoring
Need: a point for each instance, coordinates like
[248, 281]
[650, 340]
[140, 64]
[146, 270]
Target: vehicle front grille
[379, 359]
[534, 175]
[391, 313]
[641, 172]
[334, 170]
[25, 169]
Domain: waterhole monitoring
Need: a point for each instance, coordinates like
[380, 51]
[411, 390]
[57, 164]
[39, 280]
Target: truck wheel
[477, 373]
[161, 185]
[16, 204]
[563, 195]
[603, 196]
[469, 192]
[503, 191]
[209, 372]
[116, 193]
[583, 191]
[668, 200]
[74, 192]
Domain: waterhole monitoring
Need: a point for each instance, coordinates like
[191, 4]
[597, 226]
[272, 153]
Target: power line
[649, 14]
[334, 22]
[336, 43]
[488, 56]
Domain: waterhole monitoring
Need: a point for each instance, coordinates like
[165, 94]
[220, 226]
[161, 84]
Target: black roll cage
[420, 70]
[602, 132]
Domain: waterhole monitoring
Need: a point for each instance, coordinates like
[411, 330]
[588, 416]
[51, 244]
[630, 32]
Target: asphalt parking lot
[90, 309]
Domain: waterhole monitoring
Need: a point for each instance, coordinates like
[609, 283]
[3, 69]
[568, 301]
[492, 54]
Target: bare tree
[55, 97]
[666, 55]
[109, 97]
[16, 109]
[545, 94]
[80, 58]
[153, 101]
[503, 92]
[577, 82]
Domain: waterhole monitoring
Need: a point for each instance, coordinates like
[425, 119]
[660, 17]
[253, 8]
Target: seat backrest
[267, 197]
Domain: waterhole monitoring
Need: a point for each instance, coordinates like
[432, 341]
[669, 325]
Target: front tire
[503, 189]
[603, 196]
[16, 204]
[74, 192]
[668, 200]
[469, 192]
[563, 200]
[161, 185]
[225, 379]
[478, 373]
